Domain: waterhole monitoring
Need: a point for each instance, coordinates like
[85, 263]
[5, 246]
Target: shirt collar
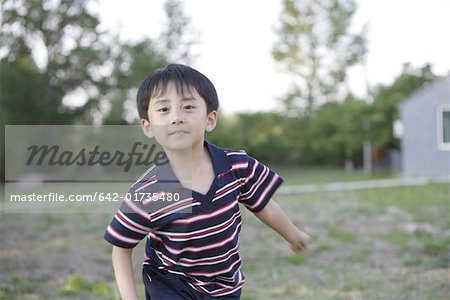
[219, 159]
[168, 181]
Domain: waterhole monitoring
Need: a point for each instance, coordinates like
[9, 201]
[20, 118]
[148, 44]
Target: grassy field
[320, 175]
[372, 244]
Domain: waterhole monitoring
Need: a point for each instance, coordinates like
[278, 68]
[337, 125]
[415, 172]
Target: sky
[236, 37]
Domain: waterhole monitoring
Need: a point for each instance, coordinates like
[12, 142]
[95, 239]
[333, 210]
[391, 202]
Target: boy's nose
[177, 117]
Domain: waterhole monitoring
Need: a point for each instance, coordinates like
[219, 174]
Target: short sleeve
[259, 185]
[129, 226]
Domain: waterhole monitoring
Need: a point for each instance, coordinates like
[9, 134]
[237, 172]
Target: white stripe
[121, 237]
[207, 247]
[210, 274]
[198, 263]
[152, 197]
[136, 227]
[218, 292]
[228, 185]
[205, 216]
[239, 165]
[263, 195]
[262, 177]
[146, 185]
[204, 261]
[175, 210]
[169, 206]
[235, 153]
[143, 175]
[249, 177]
[138, 210]
[170, 235]
[223, 195]
[228, 192]
[228, 278]
[163, 257]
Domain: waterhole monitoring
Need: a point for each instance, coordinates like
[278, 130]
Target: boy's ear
[147, 128]
[211, 121]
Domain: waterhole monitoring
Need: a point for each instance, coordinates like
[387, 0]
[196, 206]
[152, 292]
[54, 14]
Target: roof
[441, 83]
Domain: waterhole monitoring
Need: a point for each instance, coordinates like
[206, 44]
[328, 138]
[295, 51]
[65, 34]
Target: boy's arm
[273, 216]
[123, 270]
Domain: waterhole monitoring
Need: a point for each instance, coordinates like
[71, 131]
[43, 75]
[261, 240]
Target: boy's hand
[274, 216]
[301, 242]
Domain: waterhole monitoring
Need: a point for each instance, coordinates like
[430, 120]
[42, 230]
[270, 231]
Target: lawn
[371, 244]
[320, 175]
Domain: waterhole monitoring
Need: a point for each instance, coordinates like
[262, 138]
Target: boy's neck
[184, 163]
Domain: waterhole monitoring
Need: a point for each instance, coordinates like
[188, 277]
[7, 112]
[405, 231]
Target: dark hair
[183, 77]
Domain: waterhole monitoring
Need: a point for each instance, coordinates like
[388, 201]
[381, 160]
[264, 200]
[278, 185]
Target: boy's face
[178, 121]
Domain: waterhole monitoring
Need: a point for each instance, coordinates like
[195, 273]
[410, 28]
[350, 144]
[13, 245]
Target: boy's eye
[189, 106]
[163, 109]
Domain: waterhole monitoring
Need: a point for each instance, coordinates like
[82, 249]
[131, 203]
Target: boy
[192, 243]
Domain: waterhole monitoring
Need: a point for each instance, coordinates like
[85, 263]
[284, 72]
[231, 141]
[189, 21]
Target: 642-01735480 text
[96, 196]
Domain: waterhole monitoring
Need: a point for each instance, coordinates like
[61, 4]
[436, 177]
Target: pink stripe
[253, 172]
[120, 237]
[262, 177]
[200, 233]
[266, 190]
[128, 225]
[206, 216]
[202, 248]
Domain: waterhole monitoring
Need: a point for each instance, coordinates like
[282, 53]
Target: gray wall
[420, 153]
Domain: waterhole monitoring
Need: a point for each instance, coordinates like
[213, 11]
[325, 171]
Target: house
[425, 122]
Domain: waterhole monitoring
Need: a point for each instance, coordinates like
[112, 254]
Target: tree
[263, 135]
[386, 100]
[178, 36]
[336, 132]
[57, 48]
[315, 45]
[50, 49]
[133, 62]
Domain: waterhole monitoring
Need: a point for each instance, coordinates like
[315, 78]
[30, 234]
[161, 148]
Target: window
[443, 127]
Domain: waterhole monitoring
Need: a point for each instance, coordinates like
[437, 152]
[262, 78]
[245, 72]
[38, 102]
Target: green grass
[344, 236]
[370, 244]
[320, 175]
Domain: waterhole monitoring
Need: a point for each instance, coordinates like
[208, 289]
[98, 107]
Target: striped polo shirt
[195, 237]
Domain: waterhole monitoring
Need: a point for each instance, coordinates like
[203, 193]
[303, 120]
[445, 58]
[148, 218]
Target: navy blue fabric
[196, 238]
[160, 285]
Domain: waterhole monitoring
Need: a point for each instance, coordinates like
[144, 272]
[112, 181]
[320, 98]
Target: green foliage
[330, 135]
[333, 133]
[133, 63]
[178, 36]
[316, 47]
[54, 52]
[77, 285]
[296, 259]
[388, 270]
[32, 92]
[342, 235]
[17, 286]
[384, 110]
[65, 35]
[266, 136]
[336, 131]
